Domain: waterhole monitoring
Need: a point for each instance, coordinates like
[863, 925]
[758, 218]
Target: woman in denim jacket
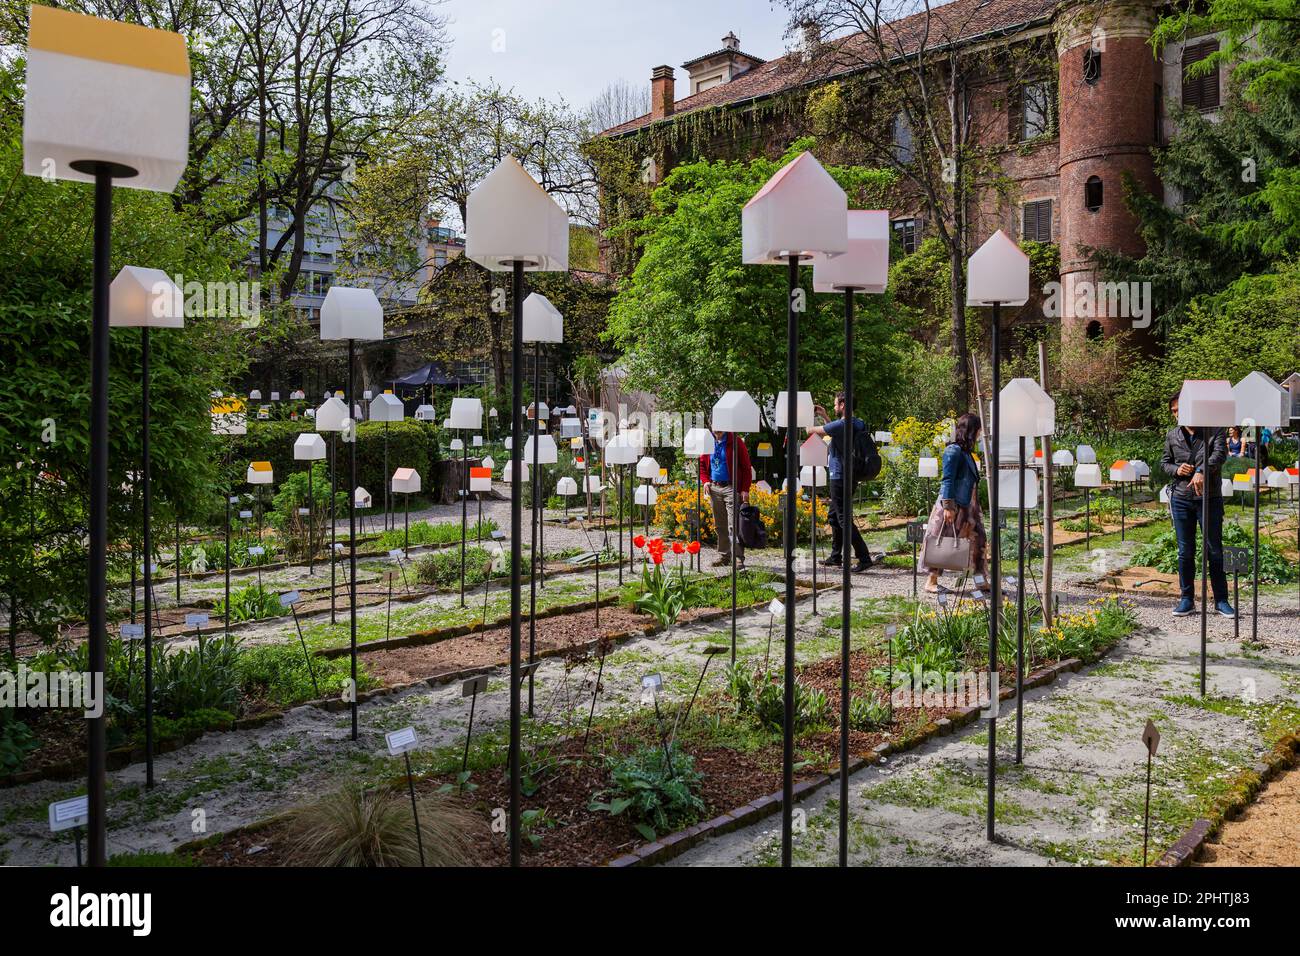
[958, 505]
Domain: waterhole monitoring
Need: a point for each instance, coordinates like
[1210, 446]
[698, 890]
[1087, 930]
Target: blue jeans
[1186, 514]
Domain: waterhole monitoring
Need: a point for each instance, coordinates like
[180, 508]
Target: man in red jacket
[727, 474]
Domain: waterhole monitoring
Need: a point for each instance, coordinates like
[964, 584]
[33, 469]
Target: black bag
[752, 532]
[866, 458]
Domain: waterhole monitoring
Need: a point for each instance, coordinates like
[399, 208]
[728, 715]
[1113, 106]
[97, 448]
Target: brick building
[1060, 140]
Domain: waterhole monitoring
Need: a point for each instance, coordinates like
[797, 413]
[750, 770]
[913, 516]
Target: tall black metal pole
[352, 530]
[464, 517]
[791, 490]
[995, 606]
[534, 519]
[516, 548]
[1254, 601]
[146, 492]
[731, 531]
[97, 570]
[1020, 605]
[334, 497]
[846, 593]
[1205, 547]
[228, 497]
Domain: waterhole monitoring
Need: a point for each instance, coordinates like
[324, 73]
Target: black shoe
[831, 563]
[865, 565]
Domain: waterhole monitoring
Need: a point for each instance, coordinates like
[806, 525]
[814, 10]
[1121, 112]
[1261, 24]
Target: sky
[574, 48]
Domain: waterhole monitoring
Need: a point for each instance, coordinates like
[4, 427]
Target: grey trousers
[724, 505]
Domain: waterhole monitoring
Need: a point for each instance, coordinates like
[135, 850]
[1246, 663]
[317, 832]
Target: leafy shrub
[868, 713]
[1081, 632]
[763, 696]
[441, 569]
[675, 513]
[902, 492]
[423, 533]
[279, 673]
[1162, 553]
[16, 742]
[658, 793]
[292, 495]
[252, 602]
[353, 826]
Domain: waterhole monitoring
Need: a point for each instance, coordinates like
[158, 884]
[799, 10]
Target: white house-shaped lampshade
[570, 428]
[1277, 479]
[260, 473]
[1207, 404]
[801, 211]
[509, 219]
[646, 495]
[803, 408]
[492, 413]
[698, 441]
[255, 395]
[735, 412]
[1008, 494]
[647, 468]
[865, 267]
[592, 484]
[1085, 455]
[456, 445]
[1140, 468]
[1087, 475]
[480, 479]
[406, 481]
[533, 410]
[308, 446]
[488, 462]
[1026, 409]
[1292, 385]
[927, 468]
[1225, 487]
[546, 451]
[297, 396]
[331, 416]
[998, 272]
[1123, 471]
[507, 475]
[1063, 458]
[620, 450]
[362, 498]
[814, 452]
[145, 298]
[349, 313]
[566, 487]
[808, 475]
[1260, 401]
[477, 441]
[542, 321]
[275, 396]
[99, 91]
[426, 413]
[510, 443]
[386, 408]
[466, 414]
[636, 439]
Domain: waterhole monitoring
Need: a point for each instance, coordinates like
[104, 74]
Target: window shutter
[1200, 92]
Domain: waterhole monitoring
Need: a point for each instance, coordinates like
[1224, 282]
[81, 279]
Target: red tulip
[657, 557]
[693, 547]
[678, 548]
[639, 541]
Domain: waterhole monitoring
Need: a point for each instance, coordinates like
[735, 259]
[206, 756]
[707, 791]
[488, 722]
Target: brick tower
[1108, 116]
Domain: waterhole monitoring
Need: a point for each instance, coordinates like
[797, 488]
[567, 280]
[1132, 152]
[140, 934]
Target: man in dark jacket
[726, 475]
[841, 446]
[1183, 461]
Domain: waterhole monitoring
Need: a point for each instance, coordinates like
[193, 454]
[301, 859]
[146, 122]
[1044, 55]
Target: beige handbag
[947, 554]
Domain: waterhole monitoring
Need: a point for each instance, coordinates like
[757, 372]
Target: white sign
[474, 686]
[196, 620]
[132, 631]
[68, 814]
[290, 598]
[257, 551]
[304, 512]
[400, 741]
[776, 608]
[246, 515]
[397, 554]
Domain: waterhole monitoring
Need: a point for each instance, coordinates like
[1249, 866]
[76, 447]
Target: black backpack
[866, 458]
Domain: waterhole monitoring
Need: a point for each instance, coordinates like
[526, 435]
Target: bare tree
[617, 103]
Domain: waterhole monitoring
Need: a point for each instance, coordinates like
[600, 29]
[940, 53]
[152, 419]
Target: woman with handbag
[954, 534]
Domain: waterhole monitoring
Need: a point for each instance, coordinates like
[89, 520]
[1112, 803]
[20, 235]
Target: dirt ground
[1267, 834]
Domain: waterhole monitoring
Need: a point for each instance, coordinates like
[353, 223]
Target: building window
[1200, 92]
[1035, 110]
[908, 233]
[1094, 331]
[1091, 66]
[1036, 221]
[902, 137]
[1092, 194]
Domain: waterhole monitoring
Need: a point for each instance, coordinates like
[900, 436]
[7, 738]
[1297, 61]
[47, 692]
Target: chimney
[731, 41]
[663, 92]
[812, 36]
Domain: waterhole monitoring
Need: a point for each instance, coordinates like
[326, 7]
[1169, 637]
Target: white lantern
[1063, 458]
[466, 414]
[255, 395]
[735, 412]
[698, 441]
[362, 498]
[804, 405]
[1085, 455]
[332, 416]
[488, 462]
[406, 481]
[1026, 410]
[456, 445]
[570, 428]
[477, 441]
[865, 267]
[1009, 494]
[592, 484]
[297, 396]
[145, 298]
[386, 407]
[927, 468]
[1277, 479]
[1260, 402]
[508, 477]
[1225, 487]
[1140, 468]
[260, 473]
[566, 487]
[998, 272]
[814, 452]
[349, 313]
[546, 452]
[509, 443]
[1123, 471]
[764, 487]
[309, 446]
[646, 495]
[1087, 475]
[801, 211]
[620, 450]
[426, 413]
[542, 321]
[647, 468]
[1207, 404]
[275, 396]
[808, 476]
[99, 91]
[509, 219]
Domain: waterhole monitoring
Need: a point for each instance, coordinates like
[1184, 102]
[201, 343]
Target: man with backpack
[866, 465]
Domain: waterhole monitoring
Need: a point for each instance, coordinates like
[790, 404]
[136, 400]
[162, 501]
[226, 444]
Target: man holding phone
[1183, 462]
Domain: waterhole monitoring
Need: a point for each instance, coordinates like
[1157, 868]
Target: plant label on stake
[401, 743]
[1151, 740]
[71, 814]
[290, 600]
[471, 689]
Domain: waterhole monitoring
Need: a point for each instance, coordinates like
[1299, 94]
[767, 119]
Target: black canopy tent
[422, 382]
